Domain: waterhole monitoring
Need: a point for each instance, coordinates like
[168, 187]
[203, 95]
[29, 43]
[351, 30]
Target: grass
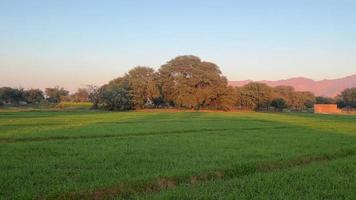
[326, 180]
[74, 105]
[182, 155]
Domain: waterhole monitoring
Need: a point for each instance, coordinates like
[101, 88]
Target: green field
[176, 155]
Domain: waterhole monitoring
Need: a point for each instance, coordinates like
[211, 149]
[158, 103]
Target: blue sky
[72, 43]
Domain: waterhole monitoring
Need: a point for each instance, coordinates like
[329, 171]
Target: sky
[72, 43]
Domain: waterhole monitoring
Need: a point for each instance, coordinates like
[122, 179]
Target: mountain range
[327, 87]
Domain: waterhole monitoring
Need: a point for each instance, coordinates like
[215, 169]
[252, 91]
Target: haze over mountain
[327, 87]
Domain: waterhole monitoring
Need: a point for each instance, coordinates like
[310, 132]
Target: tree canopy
[257, 96]
[347, 98]
[143, 84]
[324, 100]
[189, 82]
[56, 94]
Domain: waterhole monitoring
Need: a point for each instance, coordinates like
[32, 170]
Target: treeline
[185, 82]
[19, 96]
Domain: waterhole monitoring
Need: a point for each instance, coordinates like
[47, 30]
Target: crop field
[176, 155]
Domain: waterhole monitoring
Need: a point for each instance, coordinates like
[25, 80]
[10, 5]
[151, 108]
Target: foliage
[302, 100]
[340, 102]
[34, 96]
[81, 95]
[94, 95]
[279, 104]
[285, 92]
[115, 97]
[348, 98]
[14, 96]
[259, 96]
[143, 85]
[11, 95]
[324, 100]
[243, 101]
[256, 95]
[189, 82]
[56, 94]
[224, 98]
[185, 82]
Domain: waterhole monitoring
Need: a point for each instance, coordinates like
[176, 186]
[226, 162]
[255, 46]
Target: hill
[327, 87]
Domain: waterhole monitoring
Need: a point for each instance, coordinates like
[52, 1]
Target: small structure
[326, 109]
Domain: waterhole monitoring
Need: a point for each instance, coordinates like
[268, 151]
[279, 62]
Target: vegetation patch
[133, 189]
[53, 154]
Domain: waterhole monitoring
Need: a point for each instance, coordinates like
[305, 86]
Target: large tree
[144, 85]
[11, 95]
[115, 97]
[189, 82]
[257, 95]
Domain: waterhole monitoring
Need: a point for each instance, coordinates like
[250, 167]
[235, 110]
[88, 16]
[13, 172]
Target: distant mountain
[328, 88]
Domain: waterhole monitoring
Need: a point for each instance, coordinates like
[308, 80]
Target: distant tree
[189, 82]
[34, 96]
[309, 98]
[5, 95]
[284, 92]
[302, 100]
[56, 94]
[67, 98]
[143, 85]
[324, 100]
[11, 95]
[18, 96]
[81, 95]
[340, 102]
[94, 95]
[115, 97]
[257, 94]
[279, 104]
[243, 100]
[348, 96]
